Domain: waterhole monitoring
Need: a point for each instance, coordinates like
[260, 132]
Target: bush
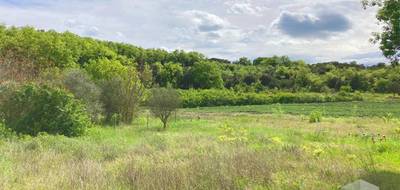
[5, 132]
[6, 90]
[315, 117]
[32, 109]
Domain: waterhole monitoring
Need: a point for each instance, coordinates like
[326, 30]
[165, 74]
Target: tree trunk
[164, 125]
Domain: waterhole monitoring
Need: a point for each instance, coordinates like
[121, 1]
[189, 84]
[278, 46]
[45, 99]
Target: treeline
[37, 50]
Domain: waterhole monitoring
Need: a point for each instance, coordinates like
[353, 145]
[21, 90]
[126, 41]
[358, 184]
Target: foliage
[388, 16]
[7, 89]
[163, 103]
[26, 52]
[204, 75]
[5, 132]
[315, 117]
[207, 98]
[170, 75]
[83, 88]
[122, 96]
[105, 68]
[33, 109]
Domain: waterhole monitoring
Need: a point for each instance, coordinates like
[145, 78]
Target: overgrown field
[224, 150]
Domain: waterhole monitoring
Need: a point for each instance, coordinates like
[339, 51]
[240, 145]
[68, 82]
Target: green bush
[5, 132]
[315, 117]
[213, 97]
[32, 109]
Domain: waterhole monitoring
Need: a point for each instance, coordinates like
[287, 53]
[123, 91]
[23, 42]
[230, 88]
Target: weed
[315, 117]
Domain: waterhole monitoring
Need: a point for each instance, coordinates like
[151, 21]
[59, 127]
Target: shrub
[6, 90]
[163, 102]
[5, 132]
[80, 85]
[32, 109]
[315, 117]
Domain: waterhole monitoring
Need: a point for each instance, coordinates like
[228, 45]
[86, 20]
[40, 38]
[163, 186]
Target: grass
[334, 109]
[210, 150]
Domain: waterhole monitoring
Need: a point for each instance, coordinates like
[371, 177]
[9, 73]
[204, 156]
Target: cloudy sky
[312, 30]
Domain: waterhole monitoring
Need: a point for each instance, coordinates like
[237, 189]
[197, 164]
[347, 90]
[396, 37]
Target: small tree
[123, 88]
[163, 103]
[79, 84]
[122, 96]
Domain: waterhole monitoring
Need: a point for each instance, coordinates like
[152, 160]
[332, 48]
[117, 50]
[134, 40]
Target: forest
[45, 50]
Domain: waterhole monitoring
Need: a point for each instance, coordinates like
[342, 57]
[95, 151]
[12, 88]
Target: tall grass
[259, 152]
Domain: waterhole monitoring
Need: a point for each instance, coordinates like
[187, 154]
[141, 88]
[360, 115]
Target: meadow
[331, 109]
[250, 147]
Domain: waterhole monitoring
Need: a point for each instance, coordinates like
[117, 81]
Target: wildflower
[317, 152]
[277, 140]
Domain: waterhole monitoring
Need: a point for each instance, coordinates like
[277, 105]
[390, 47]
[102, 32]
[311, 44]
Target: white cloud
[206, 22]
[244, 8]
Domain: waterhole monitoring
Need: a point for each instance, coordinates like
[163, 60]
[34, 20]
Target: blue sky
[313, 30]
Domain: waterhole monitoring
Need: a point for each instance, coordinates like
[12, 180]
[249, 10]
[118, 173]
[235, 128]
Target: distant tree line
[30, 51]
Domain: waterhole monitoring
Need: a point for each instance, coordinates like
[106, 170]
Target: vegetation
[285, 124]
[204, 98]
[209, 151]
[83, 88]
[315, 117]
[33, 109]
[26, 52]
[122, 96]
[330, 109]
[163, 103]
[388, 16]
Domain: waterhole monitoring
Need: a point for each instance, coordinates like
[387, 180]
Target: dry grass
[276, 152]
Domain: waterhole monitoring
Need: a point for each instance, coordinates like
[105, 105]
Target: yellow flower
[277, 140]
[317, 152]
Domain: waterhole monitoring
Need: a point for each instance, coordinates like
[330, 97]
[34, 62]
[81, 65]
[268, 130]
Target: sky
[311, 30]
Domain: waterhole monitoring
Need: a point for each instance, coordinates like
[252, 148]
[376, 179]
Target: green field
[215, 148]
[334, 109]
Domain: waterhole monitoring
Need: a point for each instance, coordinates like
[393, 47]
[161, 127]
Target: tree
[389, 17]
[204, 75]
[122, 96]
[163, 103]
[79, 84]
[273, 61]
[244, 61]
[171, 74]
[105, 69]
